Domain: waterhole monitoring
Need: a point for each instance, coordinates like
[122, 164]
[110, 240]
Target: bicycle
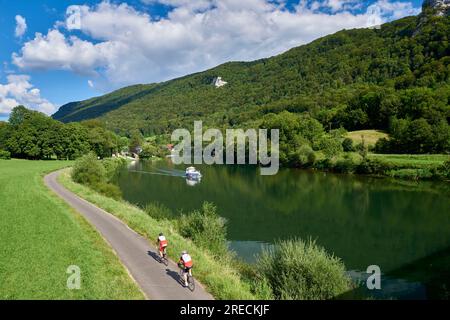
[190, 278]
[164, 259]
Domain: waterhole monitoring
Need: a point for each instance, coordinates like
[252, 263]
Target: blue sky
[57, 51]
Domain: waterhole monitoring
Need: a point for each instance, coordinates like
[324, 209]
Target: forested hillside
[396, 78]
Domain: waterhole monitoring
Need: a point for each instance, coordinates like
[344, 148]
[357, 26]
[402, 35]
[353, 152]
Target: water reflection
[192, 183]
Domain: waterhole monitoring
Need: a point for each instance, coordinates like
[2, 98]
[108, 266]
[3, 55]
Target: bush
[372, 166]
[383, 145]
[89, 171]
[323, 164]
[148, 151]
[298, 270]
[331, 147]
[92, 172]
[112, 165]
[206, 229]
[304, 156]
[345, 166]
[347, 145]
[108, 189]
[158, 211]
[259, 285]
[411, 174]
[444, 170]
[362, 149]
[5, 155]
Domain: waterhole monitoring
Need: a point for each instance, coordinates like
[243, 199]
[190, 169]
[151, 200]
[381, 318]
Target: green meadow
[412, 160]
[41, 237]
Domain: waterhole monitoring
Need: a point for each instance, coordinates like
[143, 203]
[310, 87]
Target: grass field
[370, 136]
[41, 237]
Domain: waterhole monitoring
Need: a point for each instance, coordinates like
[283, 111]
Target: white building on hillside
[218, 82]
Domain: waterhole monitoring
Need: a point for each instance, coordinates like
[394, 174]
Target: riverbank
[204, 234]
[221, 277]
[42, 236]
[398, 166]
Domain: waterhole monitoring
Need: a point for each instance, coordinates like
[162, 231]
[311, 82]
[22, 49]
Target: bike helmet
[161, 234]
[183, 252]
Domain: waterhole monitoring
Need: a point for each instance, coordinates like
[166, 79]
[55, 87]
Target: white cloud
[337, 5]
[90, 83]
[128, 46]
[395, 10]
[191, 4]
[21, 26]
[55, 51]
[19, 91]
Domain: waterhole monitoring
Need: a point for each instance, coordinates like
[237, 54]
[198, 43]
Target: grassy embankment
[220, 276]
[402, 166]
[41, 236]
[413, 167]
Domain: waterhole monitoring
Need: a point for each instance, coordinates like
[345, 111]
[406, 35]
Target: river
[401, 226]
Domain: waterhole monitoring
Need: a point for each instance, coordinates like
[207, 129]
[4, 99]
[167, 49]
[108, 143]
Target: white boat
[193, 174]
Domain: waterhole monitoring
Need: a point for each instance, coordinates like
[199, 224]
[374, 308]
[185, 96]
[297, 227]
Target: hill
[357, 79]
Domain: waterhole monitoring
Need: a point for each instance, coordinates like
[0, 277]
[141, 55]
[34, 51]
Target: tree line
[32, 135]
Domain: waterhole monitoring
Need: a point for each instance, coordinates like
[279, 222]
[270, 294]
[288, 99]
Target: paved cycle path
[157, 281]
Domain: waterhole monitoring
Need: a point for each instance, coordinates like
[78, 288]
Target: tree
[311, 129]
[18, 115]
[362, 148]
[331, 147]
[33, 135]
[74, 141]
[4, 134]
[136, 140]
[103, 142]
[148, 151]
[123, 144]
[420, 136]
[304, 156]
[88, 170]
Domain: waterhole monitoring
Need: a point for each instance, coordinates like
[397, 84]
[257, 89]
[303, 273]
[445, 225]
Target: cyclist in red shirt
[185, 264]
[162, 244]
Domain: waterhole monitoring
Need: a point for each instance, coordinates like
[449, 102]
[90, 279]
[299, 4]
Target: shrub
[362, 149]
[344, 166]
[383, 145]
[323, 164]
[112, 165]
[108, 189]
[148, 151]
[298, 270]
[347, 145]
[259, 285]
[88, 170]
[92, 172]
[444, 170]
[304, 156]
[331, 147]
[158, 211]
[205, 228]
[5, 155]
[411, 174]
[372, 166]
[261, 288]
